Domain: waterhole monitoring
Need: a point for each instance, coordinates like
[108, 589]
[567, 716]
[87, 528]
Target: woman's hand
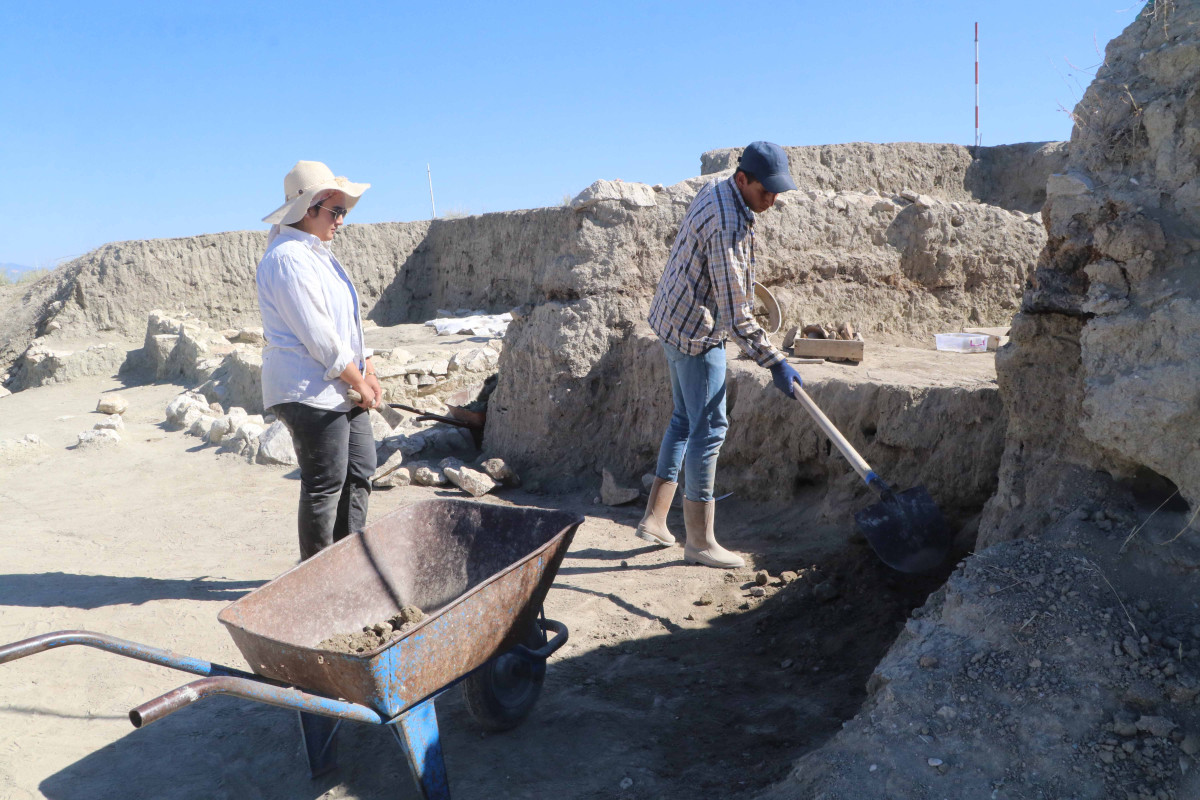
[373, 382]
[367, 396]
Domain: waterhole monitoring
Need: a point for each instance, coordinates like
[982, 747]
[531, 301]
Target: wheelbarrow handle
[860, 465]
[543, 652]
[122, 647]
[252, 688]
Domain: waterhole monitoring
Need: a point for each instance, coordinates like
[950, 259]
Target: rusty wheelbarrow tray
[480, 572]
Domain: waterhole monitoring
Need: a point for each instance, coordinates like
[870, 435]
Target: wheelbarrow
[480, 572]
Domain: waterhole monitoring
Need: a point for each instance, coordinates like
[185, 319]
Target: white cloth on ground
[479, 323]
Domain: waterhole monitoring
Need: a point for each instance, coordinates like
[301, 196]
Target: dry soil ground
[655, 696]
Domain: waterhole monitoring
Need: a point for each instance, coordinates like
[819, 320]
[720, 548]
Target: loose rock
[611, 494]
[94, 439]
[425, 476]
[275, 446]
[474, 483]
[113, 422]
[112, 404]
[499, 471]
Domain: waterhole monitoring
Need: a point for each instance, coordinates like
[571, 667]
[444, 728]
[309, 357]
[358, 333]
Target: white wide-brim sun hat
[306, 180]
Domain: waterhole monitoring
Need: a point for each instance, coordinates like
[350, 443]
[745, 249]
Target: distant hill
[13, 272]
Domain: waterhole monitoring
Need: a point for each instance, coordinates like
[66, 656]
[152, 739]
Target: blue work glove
[783, 375]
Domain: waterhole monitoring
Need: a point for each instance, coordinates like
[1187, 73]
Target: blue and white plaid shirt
[707, 289]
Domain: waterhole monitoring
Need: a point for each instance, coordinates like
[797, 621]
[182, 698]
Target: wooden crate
[833, 349]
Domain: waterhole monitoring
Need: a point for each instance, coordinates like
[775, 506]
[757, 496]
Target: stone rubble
[113, 422]
[13, 451]
[97, 438]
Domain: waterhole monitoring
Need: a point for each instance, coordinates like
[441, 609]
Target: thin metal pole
[977, 139]
[429, 174]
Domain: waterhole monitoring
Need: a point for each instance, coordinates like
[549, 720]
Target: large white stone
[612, 494]
[389, 466]
[426, 476]
[275, 445]
[179, 406]
[221, 427]
[633, 195]
[191, 415]
[477, 359]
[112, 404]
[201, 427]
[113, 422]
[470, 481]
[243, 441]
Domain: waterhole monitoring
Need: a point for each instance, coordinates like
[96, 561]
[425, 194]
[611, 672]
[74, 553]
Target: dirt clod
[376, 634]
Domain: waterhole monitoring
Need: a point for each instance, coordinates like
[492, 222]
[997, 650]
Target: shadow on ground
[52, 589]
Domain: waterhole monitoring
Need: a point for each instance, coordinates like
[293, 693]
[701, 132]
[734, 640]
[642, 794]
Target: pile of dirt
[1039, 670]
[375, 635]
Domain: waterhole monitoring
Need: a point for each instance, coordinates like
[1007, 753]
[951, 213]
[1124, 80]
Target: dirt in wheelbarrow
[678, 681]
[376, 634]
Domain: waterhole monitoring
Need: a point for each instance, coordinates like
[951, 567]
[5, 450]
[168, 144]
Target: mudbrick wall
[587, 364]
[891, 238]
[1010, 176]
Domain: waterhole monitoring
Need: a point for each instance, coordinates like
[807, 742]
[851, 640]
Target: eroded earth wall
[1010, 176]
[1102, 373]
[1059, 660]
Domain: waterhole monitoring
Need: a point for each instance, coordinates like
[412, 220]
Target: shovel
[905, 529]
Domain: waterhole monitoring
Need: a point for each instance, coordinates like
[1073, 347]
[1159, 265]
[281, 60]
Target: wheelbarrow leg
[417, 733]
[320, 742]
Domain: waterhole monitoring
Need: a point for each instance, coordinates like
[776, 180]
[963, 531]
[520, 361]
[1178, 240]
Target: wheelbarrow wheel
[501, 693]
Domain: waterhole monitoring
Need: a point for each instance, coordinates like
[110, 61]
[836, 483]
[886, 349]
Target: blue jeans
[698, 424]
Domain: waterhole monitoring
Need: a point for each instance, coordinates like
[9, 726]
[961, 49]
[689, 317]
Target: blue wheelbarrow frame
[481, 571]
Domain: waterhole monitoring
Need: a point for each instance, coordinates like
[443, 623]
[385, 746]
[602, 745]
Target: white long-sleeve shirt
[311, 322]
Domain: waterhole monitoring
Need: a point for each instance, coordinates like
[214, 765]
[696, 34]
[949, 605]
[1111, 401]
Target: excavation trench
[685, 679]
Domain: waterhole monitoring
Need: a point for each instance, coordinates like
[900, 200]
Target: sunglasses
[338, 212]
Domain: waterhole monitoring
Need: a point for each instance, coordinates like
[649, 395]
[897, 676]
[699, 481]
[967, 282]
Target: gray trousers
[336, 451]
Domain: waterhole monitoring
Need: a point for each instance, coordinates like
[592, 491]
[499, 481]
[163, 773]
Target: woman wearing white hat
[315, 352]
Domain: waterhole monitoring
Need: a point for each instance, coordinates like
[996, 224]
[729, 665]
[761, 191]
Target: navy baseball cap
[769, 164]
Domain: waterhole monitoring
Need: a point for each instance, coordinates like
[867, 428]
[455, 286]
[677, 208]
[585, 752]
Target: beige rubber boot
[702, 547]
[653, 527]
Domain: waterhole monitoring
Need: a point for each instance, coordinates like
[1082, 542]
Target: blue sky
[146, 120]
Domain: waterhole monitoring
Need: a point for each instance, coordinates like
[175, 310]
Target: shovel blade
[906, 530]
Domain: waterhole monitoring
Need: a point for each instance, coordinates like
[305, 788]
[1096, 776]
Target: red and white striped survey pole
[977, 139]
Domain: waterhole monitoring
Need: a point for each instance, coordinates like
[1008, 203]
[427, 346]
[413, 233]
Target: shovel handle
[354, 397]
[860, 466]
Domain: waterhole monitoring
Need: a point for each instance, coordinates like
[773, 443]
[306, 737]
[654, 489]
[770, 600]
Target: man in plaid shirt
[703, 297]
